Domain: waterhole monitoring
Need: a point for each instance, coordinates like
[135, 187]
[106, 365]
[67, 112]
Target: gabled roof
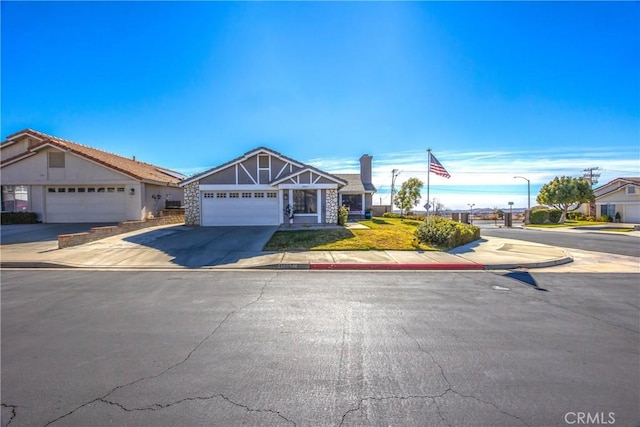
[260, 150]
[133, 168]
[308, 168]
[615, 185]
[355, 184]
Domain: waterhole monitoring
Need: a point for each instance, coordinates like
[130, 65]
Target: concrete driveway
[178, 245]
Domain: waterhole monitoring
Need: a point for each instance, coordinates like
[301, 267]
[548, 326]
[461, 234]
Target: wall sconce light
[132, 192]
[156, 197]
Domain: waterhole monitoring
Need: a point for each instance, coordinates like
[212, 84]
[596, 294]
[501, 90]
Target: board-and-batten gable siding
[308, 177]
[247, 173]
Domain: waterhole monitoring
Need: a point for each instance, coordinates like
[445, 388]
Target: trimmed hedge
[18, 218]
[408, 215]
[545, 216]
[445, 233]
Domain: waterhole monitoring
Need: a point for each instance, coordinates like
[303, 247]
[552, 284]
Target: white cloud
[485, 178]
[481, 177]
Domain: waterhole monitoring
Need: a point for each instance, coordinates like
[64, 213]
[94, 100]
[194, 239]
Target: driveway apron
[207, 246]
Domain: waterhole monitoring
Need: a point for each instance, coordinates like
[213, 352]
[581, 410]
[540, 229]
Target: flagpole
[428, 176]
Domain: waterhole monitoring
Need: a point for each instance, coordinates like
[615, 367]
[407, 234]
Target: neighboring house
[62, 181]
[263, 187]
[619, 196]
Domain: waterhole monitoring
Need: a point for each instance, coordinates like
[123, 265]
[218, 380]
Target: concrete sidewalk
[126, 252]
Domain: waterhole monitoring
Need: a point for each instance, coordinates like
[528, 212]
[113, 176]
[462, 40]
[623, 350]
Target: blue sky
[495, 89]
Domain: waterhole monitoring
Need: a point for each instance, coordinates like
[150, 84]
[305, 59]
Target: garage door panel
[85, 206]
[632, 214]
[247, 210]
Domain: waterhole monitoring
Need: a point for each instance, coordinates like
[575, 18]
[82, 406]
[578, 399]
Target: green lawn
[383, 234]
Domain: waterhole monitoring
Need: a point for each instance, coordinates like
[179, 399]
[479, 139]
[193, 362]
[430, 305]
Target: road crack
[105, 399]
[434, 397]
[160, 406]
[13, 412]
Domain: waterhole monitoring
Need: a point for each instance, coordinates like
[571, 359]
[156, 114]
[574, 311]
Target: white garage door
[86, 204]
[239, 208]
[632, 214]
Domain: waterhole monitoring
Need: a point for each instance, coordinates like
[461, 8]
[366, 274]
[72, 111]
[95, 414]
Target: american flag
[436, 167]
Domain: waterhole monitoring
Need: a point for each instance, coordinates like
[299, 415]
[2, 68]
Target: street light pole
[471, 205]
[528, 191]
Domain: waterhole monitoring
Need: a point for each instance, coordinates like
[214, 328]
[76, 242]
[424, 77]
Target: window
[221, 195]
[100, 190]
[353, 201]
[234, 195]
[259, 195]
[81, 189]
[111, 190]
[71, 190]
[631, 190]
[246, 195]
[272, 195]
[51, 190]
[56, 160]
[608, 210]
[305, 201]
[15, 198]
[91, 190]
[208, 195]
[61, 189]
[119, 190]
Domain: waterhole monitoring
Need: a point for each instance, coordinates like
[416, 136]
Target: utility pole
[394, 175]
[592, 176]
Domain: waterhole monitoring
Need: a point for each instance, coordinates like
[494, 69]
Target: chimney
[365, 168]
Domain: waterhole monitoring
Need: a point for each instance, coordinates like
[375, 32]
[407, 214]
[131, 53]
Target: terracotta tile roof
[134, 168]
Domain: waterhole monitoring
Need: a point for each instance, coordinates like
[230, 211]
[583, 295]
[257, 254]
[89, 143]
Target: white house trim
[234, 187]
[308, 186]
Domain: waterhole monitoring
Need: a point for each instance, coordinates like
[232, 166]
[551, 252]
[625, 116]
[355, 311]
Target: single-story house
[619, 196]
[264, 187]
[62, 181]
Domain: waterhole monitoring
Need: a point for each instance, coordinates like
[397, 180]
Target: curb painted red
[392, 266]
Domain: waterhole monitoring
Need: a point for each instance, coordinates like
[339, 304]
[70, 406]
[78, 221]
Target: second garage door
[240, 208]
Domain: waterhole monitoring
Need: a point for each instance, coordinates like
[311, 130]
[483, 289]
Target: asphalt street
[86, 348]
[611, 243]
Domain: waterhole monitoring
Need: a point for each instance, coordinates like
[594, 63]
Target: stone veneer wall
[331, 207]
[192, 204]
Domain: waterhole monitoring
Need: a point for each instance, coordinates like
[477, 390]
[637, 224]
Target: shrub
[18, 218]
[408, 215]
[539, 216]
[343, 215]
[390, 215]
[545, 216]
[576, 216]
[605, 218]
[445, 233]
[554, 216]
